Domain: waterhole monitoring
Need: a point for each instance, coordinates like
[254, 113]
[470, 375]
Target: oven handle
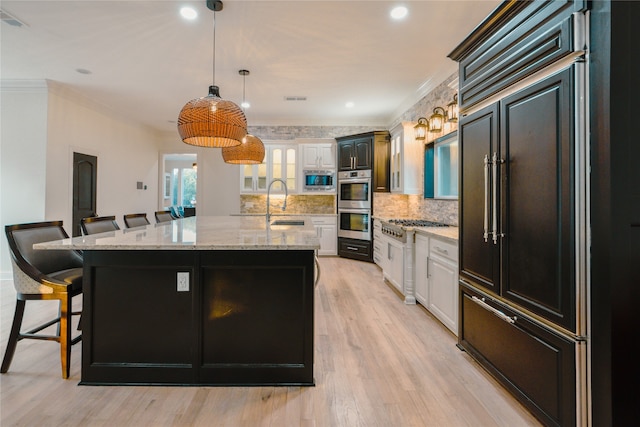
[354, 181]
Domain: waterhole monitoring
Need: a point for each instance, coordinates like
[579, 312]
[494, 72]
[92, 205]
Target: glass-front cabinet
[254, 178]
[279, 162]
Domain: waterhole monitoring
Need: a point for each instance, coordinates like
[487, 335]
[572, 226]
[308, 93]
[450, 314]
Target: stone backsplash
[388, 205]
[296, 203]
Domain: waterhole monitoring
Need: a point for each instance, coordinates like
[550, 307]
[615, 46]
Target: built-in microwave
[319, 180]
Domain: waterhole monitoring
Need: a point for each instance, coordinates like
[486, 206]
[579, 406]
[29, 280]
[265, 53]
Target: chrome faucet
[286, 193]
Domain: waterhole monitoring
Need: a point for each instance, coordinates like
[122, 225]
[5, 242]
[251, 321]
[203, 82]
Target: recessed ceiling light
[350, 104]
[188, 13]
[399, 12]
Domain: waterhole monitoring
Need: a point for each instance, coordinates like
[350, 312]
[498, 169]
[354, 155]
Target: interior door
[85, 169]
[537, 143]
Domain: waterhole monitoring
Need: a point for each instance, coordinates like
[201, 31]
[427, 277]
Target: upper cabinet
[405, 160]
[317, 153]
[280, 161]
[355, 153]
[366, 151]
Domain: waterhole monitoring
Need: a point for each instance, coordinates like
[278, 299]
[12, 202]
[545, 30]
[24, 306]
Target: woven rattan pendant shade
[249, 152]
[212, 122]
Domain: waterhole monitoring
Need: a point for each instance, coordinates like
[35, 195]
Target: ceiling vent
[295, 98]
[10, 19]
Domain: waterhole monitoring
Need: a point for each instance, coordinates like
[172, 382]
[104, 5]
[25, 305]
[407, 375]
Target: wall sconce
[452, 110]
[421, 128]
[437, 120]
[194, 166]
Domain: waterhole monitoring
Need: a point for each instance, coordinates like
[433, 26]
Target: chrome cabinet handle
[501, 315]
[428, 274]
[494, 225]
[494, 230]
[485, 235]
[351, 248]
[442, 251]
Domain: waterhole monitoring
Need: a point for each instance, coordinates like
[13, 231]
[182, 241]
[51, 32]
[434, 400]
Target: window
[441, 168]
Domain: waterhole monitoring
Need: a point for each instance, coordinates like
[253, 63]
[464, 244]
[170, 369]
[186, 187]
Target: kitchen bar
[199, 301]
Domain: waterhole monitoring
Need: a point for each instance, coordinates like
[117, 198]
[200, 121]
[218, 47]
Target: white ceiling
[147, 62]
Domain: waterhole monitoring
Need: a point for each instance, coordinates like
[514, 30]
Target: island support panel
[246, 318]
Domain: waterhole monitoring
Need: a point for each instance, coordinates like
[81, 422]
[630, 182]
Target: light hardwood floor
[378, 362]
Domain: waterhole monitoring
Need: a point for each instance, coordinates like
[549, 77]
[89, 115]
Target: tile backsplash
[388, 205]
[296, 203]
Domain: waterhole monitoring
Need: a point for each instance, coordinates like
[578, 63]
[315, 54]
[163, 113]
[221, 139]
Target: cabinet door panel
[345, 155]
[363, 153]
[537, 145]
[443, 292]
[479, 259]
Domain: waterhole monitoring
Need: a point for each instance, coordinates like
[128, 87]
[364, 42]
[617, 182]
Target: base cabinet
[327, 230]
[355, 249]
[394, 272]
[436, 278]
[534, 363]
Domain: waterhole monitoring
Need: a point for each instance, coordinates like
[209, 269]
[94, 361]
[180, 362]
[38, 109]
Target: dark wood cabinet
[533, 36]
[366, 151]
[527, 220]
[523, 308]
[534, 363]
[479, 259]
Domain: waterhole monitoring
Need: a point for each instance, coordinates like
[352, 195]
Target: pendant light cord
[214, 49]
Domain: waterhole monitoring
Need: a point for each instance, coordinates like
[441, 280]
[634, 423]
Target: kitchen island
[199, 301]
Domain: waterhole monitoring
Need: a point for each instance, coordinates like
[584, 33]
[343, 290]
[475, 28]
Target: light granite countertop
[450, 233]
[201, 233]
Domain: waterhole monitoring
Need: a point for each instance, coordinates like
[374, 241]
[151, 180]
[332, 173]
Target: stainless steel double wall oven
[354, 209]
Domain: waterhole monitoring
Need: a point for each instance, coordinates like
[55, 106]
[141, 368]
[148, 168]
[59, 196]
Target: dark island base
[245, 319]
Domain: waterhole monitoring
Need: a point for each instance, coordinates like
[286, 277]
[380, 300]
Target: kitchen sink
[288, 222]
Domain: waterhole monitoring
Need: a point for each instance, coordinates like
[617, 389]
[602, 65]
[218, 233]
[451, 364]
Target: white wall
[126, 152]
[40, 132]
[218, 190]
[23, 141]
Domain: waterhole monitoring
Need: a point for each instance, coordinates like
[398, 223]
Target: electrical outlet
[183, 281]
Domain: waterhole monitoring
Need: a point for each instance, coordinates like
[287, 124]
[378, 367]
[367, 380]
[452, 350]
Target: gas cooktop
[416, 223]
[394, 227]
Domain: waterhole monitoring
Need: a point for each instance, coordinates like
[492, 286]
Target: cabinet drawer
[534, 363]
[443, 249]
[539, 35]
[355, 249]
[324, 220]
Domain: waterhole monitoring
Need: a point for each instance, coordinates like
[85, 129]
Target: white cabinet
[436, 278]
[395, 262]
[318, 155]
[422, 258]
[253, 178]
[327, 231]
[280, 161]
[379, 245]
[406, 162]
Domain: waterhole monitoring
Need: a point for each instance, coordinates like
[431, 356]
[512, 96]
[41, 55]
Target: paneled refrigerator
[523, 208]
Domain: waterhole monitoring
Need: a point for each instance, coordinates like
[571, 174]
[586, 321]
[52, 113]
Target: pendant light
[251, 149]
[212, 121]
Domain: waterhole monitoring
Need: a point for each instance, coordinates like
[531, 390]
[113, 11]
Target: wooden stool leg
[65, 334]
[13, 336]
